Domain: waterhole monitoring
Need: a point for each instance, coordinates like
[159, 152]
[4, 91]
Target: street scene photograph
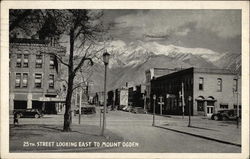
[125, 81]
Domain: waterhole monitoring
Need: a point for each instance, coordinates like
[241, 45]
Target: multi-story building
[209, 90]
[34, 74]
[154, 73]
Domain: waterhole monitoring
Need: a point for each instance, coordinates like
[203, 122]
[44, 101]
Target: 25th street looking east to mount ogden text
[125, 80]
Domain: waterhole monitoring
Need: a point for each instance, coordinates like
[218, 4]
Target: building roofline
[199, 70]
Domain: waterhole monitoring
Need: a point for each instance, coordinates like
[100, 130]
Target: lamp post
[154, 98]
[106, 56]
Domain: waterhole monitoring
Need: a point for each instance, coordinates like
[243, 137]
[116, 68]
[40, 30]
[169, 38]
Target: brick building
[210, 89]
[33, 74]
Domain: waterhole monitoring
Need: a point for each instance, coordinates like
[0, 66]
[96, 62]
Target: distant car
[230, 114]
[35, 113]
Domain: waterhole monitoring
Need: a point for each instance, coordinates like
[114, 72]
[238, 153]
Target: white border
[5, 5]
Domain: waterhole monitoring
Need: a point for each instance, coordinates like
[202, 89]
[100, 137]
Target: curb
[200, 136]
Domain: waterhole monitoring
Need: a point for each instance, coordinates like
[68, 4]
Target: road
[137, 128]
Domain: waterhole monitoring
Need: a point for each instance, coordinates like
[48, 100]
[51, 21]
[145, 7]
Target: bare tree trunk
[67, 115]
[71, 76]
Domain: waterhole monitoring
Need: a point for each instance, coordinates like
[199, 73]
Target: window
[39, 61]
[25, 80]
[19, 60]
[219, 84]
[38, 80]
[52, 62]
[25, 60]
[51, 81]
[235, 85]
[200, 105]
[201, 83]
[224, 106]
[18, 80]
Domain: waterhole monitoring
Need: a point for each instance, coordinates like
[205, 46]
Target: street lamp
[106, 56]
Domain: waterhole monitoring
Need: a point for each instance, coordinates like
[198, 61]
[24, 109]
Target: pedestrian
[15, 119]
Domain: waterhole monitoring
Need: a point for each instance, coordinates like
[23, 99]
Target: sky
[217, 30]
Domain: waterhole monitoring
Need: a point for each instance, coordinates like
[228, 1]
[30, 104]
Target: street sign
[161, 103]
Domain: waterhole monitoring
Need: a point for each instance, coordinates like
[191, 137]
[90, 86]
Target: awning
[51, 99]
[200, 98]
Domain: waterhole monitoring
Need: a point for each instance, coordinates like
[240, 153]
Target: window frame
[39, 64]
[35, 83]
[201, 83]
[51, 84]
[25, 64]
[19, 63]
[20, 78]
[219, 85]
[23, 85]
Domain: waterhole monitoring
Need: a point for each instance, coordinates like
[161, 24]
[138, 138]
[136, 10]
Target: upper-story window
[25, 60]
[219, 84]
[25, 80]
[51, 81]
[52, 62]
[18, 80]
[201, 83]
[19, 60]
[39, 61]
[38, 80]
[235, 85]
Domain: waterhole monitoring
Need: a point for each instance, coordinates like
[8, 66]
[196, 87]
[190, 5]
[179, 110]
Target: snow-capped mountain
[136, 53]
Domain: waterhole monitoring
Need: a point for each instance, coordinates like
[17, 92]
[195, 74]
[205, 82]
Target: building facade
[210, 90]
[34, 74]
[154, 73]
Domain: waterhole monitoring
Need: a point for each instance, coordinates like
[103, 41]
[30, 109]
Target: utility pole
[154, 98]
[189, 110]
[182, 99]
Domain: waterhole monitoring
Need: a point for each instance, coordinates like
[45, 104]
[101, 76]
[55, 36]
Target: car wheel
[36, 116]
[216, 117]
[224, 118]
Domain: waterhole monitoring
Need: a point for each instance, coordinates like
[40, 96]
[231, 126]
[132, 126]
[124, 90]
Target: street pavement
[170, 134]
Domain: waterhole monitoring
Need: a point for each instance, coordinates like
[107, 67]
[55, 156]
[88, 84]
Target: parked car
[86, 110]
[120, 107]
[138, 110]
[35, 113]
[128, 109]
[230, 114]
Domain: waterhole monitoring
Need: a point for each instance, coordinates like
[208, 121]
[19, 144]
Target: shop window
[18, 80]
[51, 81]
[39, 61]
[223, 106]
[25, 80]
[38, 80]
[26, 60]
[201, 83]
[19, 60]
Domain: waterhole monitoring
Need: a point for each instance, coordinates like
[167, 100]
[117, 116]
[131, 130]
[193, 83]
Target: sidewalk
[219, 131]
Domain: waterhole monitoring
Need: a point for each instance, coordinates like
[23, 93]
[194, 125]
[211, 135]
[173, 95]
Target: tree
[83, 28]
